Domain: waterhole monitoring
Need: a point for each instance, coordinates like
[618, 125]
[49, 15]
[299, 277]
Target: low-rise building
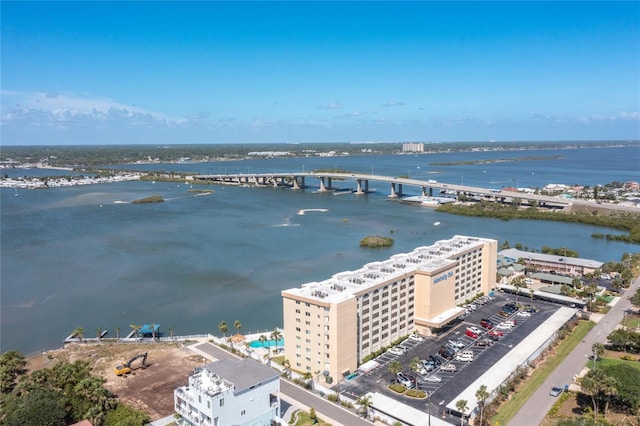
[229, 392]
[331, 326]
[550, 262]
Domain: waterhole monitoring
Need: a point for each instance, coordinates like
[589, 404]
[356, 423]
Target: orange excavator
[126, 367]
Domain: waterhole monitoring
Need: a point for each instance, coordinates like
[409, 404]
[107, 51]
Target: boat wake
[303, 211]
[121, 202]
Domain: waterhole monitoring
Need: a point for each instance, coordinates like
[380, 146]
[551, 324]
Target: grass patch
[632, 321]
[302, 418]
[607, 362]
[540, 374]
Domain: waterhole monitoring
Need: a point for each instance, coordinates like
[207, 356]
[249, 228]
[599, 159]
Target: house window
[222, 402]
[243, 412]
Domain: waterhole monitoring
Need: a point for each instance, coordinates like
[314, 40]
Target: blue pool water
[266, 344]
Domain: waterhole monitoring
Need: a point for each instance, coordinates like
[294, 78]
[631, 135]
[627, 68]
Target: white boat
[436, 223]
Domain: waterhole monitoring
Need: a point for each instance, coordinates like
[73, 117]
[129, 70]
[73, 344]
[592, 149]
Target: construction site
[143, 375]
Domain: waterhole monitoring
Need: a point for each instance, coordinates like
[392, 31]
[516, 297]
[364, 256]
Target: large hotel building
[330, 326]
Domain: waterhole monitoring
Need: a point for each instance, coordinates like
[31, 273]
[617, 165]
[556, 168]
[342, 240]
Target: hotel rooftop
[344, 285]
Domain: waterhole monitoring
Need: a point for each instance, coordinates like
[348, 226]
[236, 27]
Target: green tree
[79, 333]
[461, 406]
[237, 325]
[99, 333]
[395, 367]
[12, 365]
[124, 415]
[287, 368]
[136, 328]
[365, 403]
[627, 386]
[415, 364]
[481, 395]
[276, 335]
[223, 329]
[42, 407]
[117, 333]
[518, 283]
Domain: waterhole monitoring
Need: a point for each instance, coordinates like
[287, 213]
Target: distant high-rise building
[413, 147]
[332, 325]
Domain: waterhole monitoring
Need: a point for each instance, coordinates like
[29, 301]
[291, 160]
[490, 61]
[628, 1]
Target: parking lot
[440, 384]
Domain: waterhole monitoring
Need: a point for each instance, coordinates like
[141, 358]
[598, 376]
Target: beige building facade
[330, 326]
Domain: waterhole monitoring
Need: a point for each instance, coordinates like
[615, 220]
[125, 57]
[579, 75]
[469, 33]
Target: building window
[222, 402]
[243, 412]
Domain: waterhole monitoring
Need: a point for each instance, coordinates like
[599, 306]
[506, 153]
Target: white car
[421, 371]
[510, 323]
[396, 351]
[524, 314]
[416, 337]
[448, 367]
[475, 330]
[433, 379]
[466, 356]
[504, 326]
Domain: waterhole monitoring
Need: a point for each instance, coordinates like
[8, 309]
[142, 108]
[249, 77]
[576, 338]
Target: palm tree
[365, 403]
[79, 333]
[598, 350]
[308, 378]
[461, 405]
[262, 339]
[136, 328]
[415, 364]
[287, 366]
[170, 332]
[223, 329]
[518, 283]
[482, 394]
[117, 333]
[99, 333]
[276, 335]
[395, 367]
[609, 388]
[237, 325]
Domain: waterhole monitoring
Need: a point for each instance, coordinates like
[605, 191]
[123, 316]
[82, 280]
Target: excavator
[126, 367]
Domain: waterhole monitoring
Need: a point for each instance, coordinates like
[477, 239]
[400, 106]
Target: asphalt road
[539, 404]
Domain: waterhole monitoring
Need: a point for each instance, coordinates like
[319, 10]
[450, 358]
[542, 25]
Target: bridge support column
[430, 192]
[274, 180]
[359, 190]
[322, 186]
[395, 193]
[423, 191]
[294, 180]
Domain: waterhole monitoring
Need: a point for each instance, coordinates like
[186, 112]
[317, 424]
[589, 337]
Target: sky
[79, 73]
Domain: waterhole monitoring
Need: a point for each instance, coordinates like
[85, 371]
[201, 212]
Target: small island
[375, 241]
[151, 199]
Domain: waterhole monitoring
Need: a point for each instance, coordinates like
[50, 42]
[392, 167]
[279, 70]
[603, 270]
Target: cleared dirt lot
[149, 389]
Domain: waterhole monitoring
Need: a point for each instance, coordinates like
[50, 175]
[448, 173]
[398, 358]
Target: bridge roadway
[296, 180]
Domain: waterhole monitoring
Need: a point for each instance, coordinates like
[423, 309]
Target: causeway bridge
[326, 180]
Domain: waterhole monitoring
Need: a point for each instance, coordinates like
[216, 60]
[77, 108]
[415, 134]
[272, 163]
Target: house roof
[516, 254]
[243, 373]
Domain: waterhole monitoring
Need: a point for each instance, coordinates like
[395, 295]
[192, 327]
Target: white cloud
[392, 104]
[332, 105]
[63, 111]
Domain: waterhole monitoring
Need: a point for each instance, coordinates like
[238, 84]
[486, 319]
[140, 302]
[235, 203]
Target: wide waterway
[85, 256]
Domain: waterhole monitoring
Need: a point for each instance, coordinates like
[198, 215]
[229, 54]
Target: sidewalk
[539, 404]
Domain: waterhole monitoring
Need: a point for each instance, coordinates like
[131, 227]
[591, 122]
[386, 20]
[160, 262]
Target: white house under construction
[330, 326]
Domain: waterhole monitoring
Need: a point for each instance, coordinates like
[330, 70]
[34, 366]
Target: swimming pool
[266, 344]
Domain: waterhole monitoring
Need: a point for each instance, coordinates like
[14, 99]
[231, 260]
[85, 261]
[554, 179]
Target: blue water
[84, 256]
[267, 343]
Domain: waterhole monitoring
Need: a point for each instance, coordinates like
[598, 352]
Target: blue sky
[227, 72]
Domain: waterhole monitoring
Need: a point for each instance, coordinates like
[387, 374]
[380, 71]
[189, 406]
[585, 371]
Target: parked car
[484, 342]
[504, 326]
[524, 314]
[466, 356]
[448, 367]
[396, 351]
[433, 379]
[496, 333]
[457, 343]
[435, 360]
[471, 334]
[555, 391]
[403, 380]
[428, 365]
[445, 352]
[475, 330]
[504, 314]
[416, 337]
[485, 323]
[511, 322]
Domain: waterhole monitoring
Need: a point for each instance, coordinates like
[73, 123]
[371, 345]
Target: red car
[471, 334]
[495, 332]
